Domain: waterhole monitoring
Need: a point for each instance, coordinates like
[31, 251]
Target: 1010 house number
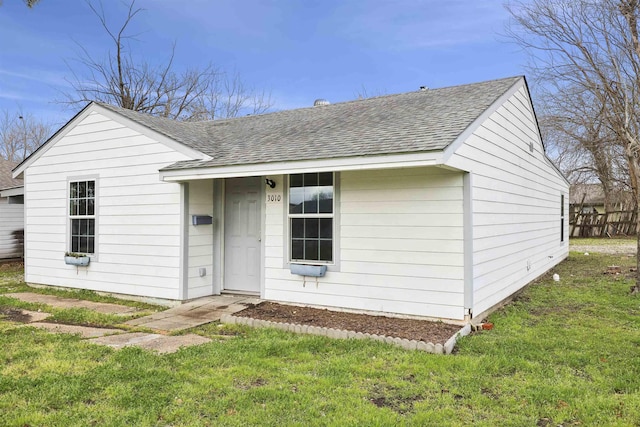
[274, 198]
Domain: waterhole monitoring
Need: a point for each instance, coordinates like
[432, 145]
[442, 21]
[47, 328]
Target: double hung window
[82, 210]
[311, 217]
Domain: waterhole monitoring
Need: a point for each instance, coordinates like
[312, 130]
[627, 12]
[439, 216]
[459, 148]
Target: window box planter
[308, 270]
[76, 259]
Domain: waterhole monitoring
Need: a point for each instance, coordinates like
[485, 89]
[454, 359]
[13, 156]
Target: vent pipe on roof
[423, 88]
[320, 102]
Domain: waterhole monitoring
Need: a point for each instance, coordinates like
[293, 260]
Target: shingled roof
[6, 179]
[420, 121]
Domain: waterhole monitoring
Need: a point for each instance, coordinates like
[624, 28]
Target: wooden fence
[615, 223]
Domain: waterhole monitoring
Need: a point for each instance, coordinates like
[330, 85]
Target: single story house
[437, 203]
[11, 212]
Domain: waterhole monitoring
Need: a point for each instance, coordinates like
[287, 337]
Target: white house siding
[11, 220]
[200, 240]
[516, 198]
[399, 249]
[138, 216]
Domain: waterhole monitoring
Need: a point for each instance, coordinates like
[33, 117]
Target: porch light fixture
[271, 183]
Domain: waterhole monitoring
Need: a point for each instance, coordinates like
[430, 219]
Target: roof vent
[423, 88]
[320, 102]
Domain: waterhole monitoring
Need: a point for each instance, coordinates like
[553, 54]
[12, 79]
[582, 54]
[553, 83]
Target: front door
[242, 234]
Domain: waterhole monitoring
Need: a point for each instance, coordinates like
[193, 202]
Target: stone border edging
[429, 347]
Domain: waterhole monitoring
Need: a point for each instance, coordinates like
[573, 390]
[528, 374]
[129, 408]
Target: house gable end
[450, 150]
[112, 115]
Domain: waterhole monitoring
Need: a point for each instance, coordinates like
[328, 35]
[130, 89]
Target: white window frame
[332, 215]
[71, 217]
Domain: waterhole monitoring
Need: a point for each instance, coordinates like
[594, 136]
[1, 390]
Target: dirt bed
[419, 330]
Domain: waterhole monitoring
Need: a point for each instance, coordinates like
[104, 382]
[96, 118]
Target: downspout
[467, 219]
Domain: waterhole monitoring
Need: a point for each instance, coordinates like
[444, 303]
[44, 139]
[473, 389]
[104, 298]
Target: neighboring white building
[11, 212]
[438, 203]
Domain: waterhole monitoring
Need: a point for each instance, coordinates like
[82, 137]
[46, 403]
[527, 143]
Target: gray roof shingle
[410, 122]
[6, 178]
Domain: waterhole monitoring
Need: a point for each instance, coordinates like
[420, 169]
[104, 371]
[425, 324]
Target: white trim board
[392, 161]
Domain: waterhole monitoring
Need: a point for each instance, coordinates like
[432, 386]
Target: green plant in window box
[74, 258]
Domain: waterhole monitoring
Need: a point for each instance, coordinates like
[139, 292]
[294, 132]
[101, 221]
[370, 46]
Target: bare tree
[126, 81]
[364, 93]
[228, 96]
[584, 147]
[20, 135]
[591, 45]
[29, 3]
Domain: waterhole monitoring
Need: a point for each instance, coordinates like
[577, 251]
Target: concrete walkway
[60, 302]
[188, 315]
[194, 313]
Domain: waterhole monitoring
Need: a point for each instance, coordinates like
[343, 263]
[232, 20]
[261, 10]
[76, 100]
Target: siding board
[516, 203]
[138, 222]
[400, 244]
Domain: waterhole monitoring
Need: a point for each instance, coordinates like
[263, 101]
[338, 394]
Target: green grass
[606, 241]
[564, 352]
[11, 281]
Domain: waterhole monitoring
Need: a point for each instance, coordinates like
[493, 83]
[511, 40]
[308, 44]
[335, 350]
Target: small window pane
[311, 250]
[310, 179]
[312, 228]
[295, 180]
[83, 207]
[91, 227]
[90, 207]
[74, 190]
[73, 207]
[297, 249]
[297, 228]
[90, 245]
[325, 196]
[325, 178]
[326, 250]
[326, 228]
[310, 200]
[82, 189]
[296, 200]
[75, 227]
[91, 189]
[83, 245]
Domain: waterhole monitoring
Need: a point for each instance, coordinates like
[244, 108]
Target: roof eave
[387, 161]
[13, 191]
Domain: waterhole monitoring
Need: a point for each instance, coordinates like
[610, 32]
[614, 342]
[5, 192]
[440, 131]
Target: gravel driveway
[622, 248]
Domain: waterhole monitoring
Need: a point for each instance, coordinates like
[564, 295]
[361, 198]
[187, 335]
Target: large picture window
[311, 217]
[82, 207]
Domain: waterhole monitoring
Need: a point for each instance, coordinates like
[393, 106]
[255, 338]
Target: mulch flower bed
[411, 329]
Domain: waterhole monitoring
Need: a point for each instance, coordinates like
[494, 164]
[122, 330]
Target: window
[82, 201]
[16, 200]
[562, 218]
[311, 217]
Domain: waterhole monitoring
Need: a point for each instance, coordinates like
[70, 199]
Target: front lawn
[564, 352]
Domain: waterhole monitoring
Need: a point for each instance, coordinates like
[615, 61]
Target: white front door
[242, 221]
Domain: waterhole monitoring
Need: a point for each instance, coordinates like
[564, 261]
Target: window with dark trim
[311, 217]
[562, 217]
[82, 207]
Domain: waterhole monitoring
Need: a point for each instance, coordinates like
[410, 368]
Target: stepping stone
[156, 342]
[59, 302]
[23, 316]
[83, 331]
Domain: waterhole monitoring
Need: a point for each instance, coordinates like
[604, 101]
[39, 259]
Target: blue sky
[299, 50]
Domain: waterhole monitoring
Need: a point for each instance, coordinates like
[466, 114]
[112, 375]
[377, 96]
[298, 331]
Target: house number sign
[274, 198]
